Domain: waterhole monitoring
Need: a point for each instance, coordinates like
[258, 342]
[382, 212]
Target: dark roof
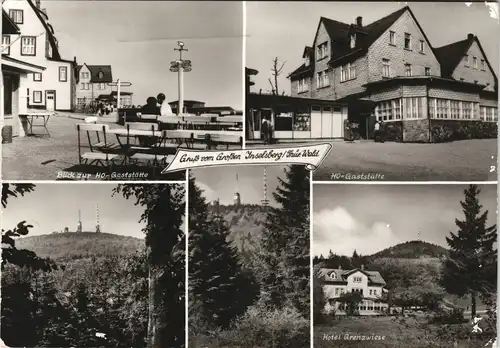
[186, 102]
[419, 80]
[308, 51]
[451, 55]
[115, 93]
[50, 32]
[107, 77]
[341, 275]
[301, 70]
[8, 25]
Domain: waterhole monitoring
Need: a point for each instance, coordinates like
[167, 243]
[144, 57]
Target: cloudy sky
[51, 207]
[282, 29]
[370, 218]
[220, 182]
[137, 38]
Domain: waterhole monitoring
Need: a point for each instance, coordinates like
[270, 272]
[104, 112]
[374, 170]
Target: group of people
[104, 109]
[157, 106]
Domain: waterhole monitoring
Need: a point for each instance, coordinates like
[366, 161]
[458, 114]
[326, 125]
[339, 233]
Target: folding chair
[149, 150]
[102, 151]
[180, 137]
[227, 139]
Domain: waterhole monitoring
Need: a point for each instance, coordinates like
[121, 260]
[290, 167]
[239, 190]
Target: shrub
[444, 131]
[393, 131]
[263, 328]
[455, 316]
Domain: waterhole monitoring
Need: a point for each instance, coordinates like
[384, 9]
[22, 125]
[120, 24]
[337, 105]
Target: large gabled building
[369, 284]
[388, 70]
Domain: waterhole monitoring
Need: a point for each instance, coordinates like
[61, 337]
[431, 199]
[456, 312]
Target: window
[322, 50]
[371, 291]
[407, 41]
[427, 71]
[386, 68]
[353, 40]
[5, 44]
[466, 60]
[455, 109]
[80, 101]
[306, 61]
[17, 16]
[319, 79]
[337, 291]
[37, 96]
[28, 45]
[85, 86]
[388, 110]
[407, 69]
[326, 79]
[474, 62]
[467, 110]
[302, 86]
[63, 74]
[422, 46]
[101, 75]
[392, 38]
[357, 289]
[442, 109]
[483, 65]
[414, 108]
[357, 280]
[85, 75]
[351, 69]
[347, 72]
[37, 77]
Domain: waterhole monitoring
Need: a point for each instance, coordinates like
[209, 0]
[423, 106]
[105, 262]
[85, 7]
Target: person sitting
[165, 109]
[150, 108]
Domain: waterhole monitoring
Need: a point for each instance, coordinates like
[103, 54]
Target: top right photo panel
[402, 91]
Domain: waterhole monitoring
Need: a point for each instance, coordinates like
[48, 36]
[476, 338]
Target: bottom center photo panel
[249, 257]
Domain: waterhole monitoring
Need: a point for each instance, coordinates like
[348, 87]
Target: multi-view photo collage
[259, 174]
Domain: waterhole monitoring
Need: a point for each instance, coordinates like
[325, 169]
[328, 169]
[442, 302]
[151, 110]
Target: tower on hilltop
[97, 226]
[237, 197]
[79, 224]
[265, 201]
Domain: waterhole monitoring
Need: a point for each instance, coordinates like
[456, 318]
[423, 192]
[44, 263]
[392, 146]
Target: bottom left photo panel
[93, 265]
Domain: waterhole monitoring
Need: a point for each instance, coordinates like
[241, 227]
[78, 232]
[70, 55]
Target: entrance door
[316, 122]
[338, 123]
[326, 122]
[50, 100]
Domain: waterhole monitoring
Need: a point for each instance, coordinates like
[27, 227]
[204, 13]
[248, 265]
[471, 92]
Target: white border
[243, 71]
[367, 182]
[311, 270]
[186, 262]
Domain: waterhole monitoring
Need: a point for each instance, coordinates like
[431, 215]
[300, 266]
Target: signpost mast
[180, 66]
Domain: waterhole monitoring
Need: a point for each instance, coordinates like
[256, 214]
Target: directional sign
[122, 84]
[174, 69]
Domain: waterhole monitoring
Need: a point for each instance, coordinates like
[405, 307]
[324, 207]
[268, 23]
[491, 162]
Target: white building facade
[369, 284]
[54, 88]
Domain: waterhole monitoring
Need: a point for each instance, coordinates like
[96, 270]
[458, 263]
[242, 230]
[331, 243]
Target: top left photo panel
[110, 90]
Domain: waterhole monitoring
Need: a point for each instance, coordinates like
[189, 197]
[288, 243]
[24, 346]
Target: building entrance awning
[18, 66]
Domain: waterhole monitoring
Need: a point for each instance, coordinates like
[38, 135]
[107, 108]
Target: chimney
[362, 267]
[340, 266]
[37, 3]
[359, 21]
[470, 36]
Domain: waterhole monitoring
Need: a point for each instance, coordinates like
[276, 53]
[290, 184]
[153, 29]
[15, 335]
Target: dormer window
[307, 61]
[323, 50]
[332, 275]
[353, 40]
[101, 75]
[357, 279]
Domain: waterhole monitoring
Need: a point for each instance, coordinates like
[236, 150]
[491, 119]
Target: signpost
[119, 84]
[180, 66]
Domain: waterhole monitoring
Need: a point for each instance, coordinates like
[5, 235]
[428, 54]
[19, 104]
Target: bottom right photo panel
[409, 265]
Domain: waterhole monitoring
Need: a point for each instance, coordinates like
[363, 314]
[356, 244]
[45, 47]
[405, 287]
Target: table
[134, 132]
[31, 116]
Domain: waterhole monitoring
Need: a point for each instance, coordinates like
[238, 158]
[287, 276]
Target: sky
[282, 29]
[220, 182]
[51, 207]
[137, 38]
[370, 218]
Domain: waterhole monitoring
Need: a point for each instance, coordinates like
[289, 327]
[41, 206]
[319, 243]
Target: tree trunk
[276, 82]
[473, 305]
[155, 308]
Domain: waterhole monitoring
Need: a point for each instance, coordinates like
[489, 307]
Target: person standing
[165, 109]
[376, 132]
[382, 131]
[265, 130]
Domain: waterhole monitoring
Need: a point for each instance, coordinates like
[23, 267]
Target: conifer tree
[282, 258]
[216, 280]
[471, 267]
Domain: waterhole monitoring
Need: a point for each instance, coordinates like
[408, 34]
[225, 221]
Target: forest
[99, 296]
[257, 295]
